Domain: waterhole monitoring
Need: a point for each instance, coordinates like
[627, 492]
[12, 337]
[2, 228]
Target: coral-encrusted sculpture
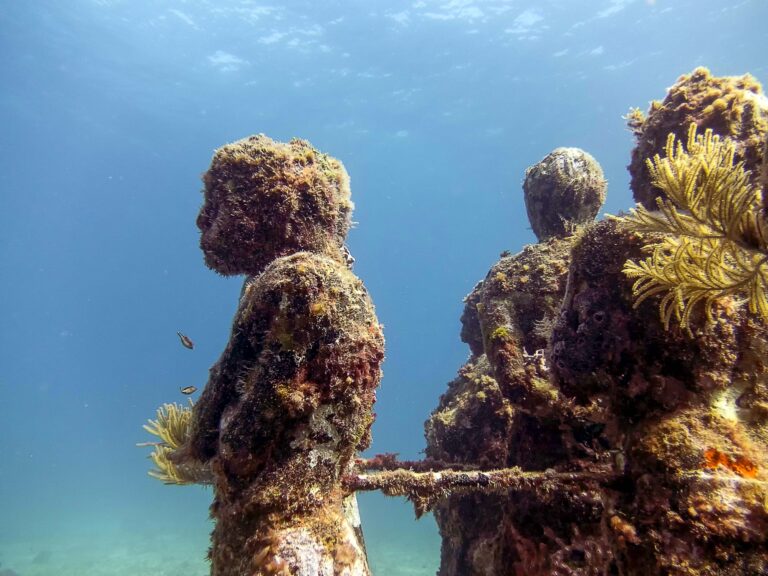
[265, 199]
[584, 437]
[684, 411]
[684, 416]
[289, 402]
[562, 191]
[672, 423]
[501, 411]
[733, 107]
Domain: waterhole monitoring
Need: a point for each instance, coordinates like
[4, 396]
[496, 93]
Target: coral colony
[612, 418]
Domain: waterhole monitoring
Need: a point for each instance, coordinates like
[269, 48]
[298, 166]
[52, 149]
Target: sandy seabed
[147, 553]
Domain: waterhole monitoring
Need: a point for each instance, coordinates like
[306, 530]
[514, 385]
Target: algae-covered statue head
[564, 190]
[267, 199]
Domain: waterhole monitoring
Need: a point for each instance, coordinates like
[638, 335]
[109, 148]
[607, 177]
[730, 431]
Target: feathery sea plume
[172, 427]
[714, 231]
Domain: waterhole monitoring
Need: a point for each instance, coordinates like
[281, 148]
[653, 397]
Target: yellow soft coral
[172, 427]
[715, 233]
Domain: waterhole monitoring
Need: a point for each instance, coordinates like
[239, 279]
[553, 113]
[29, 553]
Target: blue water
[109, 113]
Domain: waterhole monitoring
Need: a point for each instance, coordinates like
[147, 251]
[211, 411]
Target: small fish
[185, 341]
[348, 258]
[189, 390]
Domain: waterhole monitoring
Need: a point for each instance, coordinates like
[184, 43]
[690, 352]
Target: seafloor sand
[168, 555]
[397, 546]
[117, 553]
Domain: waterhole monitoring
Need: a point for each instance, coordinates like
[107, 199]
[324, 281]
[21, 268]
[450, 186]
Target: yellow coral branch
[172, 427]
[714, 240]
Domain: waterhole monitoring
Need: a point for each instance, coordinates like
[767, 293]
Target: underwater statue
[638, 354]
[611, 420]
[502, 411]
[289, 403]
[675, 372]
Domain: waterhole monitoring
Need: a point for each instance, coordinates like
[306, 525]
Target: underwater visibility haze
[111, 111]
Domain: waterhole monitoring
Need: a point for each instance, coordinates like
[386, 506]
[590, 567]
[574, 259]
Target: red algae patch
[739, 465]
